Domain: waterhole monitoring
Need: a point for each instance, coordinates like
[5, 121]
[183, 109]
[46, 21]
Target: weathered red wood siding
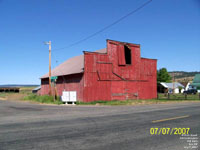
[108, 77]
[149, 73]
[72, 82]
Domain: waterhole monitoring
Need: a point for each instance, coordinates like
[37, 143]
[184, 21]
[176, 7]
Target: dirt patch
[2, 98]
[17, 96]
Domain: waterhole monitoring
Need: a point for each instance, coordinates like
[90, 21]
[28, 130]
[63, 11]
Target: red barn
[115, 73]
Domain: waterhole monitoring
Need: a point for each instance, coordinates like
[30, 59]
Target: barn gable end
[114, 75]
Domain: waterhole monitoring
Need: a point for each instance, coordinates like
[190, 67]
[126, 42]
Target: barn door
[117, 90]
[131, 90]
[123, 90]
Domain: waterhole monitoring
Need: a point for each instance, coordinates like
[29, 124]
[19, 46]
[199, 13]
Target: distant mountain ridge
[183, 76]
[18, 85]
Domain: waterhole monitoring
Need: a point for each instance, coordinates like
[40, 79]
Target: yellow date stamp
[169, 131]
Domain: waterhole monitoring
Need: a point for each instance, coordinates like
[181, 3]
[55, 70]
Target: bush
[42, 99]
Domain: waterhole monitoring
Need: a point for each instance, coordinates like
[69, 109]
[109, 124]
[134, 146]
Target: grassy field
[24, 91]
[26, 95]
[3, 95]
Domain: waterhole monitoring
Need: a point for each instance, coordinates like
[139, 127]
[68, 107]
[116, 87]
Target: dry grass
[24, 91]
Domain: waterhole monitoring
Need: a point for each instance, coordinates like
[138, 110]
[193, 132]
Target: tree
[163, 75]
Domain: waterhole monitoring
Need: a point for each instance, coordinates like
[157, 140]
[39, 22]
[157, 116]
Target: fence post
[168, 96]
[199, 96]
[185, 96]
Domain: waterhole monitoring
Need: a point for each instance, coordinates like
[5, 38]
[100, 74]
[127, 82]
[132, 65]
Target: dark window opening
[127, 53]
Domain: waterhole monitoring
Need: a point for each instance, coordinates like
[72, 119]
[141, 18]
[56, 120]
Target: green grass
[114, 102]
[25, 94]
[3, 95]
[42, 99]
[178, 97]
[129, 102]
[118, 102]
[22, 91]
[162, 99]
[27, 90]
[37, 98]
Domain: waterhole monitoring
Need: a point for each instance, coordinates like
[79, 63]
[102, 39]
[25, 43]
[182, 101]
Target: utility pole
[173, 84]
[49, 43]
[50, 93]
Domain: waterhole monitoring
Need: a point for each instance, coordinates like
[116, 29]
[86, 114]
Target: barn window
[127, 54]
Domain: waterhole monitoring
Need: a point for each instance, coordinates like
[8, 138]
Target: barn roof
[71, 66]
[37, 88]
[171, 85]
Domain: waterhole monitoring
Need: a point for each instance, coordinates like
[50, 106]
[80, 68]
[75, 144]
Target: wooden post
[173, 84]
[54, 91]
[50, 92]
[185, 96]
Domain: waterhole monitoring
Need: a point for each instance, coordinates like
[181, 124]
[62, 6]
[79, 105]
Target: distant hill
[18, 85]
[182, 76]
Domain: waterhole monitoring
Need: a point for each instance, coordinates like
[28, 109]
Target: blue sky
[168, 30]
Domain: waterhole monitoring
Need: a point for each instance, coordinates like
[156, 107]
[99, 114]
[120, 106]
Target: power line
[106, 27]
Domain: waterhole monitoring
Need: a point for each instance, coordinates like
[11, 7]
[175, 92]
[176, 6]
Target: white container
[69, 96]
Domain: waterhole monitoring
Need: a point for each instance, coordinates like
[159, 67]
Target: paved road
[25, 126]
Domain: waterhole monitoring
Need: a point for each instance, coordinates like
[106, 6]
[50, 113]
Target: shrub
[42, 99]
